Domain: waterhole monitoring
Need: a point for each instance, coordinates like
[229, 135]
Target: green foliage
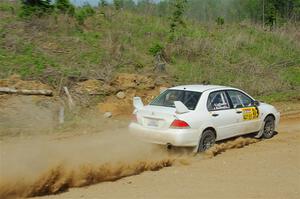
[65, 7]
[238, 54]
[280, 96]
[36, 7]
[177, 15]
[103, 3]
[220, 21]
[156, 48]
[118, 4]
[292, 75]
[29, 62]
[6, 7]
[271, 11]
[129, 4]
[83, 13]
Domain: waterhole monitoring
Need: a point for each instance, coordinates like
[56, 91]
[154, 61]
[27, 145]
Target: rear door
[249, 115]
[222, 116]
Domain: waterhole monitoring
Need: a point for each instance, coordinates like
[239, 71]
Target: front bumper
[175, 137]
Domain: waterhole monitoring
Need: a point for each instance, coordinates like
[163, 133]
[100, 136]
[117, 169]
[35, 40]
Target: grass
[280, 97]
[242, 55]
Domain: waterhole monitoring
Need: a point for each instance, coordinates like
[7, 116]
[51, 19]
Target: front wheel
[207, 140]
[269, 127]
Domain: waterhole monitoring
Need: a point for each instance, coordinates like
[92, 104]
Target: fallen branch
[25, 91]
[70, 100]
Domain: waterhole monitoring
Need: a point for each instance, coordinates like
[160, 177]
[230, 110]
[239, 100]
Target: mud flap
[261, 131]
[195, 150]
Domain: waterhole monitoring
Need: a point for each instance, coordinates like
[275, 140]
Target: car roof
[200, 87]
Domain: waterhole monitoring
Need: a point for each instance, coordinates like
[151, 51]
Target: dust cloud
[239, 142]
[59, 178]
[46, 165]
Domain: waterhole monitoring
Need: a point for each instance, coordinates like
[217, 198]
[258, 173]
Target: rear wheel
[269, 127]
[207, 140]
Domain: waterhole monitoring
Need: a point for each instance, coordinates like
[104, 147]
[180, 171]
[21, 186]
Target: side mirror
[256, 103]
[180, 107]
[138, 103]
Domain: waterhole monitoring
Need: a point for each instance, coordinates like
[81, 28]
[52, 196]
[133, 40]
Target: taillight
[134, 118]
[179, 124]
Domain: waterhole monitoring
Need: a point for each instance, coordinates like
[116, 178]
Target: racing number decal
[250, 113]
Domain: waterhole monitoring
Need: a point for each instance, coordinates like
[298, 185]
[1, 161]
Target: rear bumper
[175, 137]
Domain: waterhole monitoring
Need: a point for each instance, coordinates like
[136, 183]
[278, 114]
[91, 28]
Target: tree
[270, 14]
[220, 21]
[129, 4]
[162, 8]
[83, 13]
[36, 7]
[118, 4]
[65, 6]
[177, 15]
[103, 3]
[40, 3]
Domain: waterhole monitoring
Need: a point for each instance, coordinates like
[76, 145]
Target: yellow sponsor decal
[250, 113]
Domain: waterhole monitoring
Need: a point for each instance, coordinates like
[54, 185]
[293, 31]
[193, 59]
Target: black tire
[207, 140]
[269, 127]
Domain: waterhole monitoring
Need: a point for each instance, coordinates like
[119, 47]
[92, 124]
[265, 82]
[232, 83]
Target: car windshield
[167, 98]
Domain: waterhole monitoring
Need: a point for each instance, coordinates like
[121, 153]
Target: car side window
[239, 99]
[217, 101]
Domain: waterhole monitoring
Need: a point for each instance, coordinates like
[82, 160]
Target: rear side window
[239, 99]
[188, 98]
[217, 101]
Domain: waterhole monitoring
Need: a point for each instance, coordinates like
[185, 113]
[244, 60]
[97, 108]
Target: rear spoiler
[180, 107]
[138, 103]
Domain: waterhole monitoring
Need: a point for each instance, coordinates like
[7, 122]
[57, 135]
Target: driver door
[249, 115]
[224, 119]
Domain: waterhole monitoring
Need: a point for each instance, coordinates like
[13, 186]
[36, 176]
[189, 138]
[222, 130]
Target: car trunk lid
[159, 117]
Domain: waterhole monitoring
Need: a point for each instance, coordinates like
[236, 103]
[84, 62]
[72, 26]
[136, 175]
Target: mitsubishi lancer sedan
[199, 115]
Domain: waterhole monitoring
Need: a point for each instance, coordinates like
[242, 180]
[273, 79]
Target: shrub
[220, 21]
[102, 3]
[65, 7]
[83, 13]
[36, 7]
[156, 48]
[118, 4]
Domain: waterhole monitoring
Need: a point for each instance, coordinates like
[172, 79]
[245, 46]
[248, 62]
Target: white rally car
[198, 115]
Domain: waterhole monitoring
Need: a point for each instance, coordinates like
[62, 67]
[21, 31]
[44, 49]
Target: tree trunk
[25, 91]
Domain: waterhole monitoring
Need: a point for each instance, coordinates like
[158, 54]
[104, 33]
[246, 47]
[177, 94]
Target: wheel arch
[207, 128]
[270, 115]
[212, 129]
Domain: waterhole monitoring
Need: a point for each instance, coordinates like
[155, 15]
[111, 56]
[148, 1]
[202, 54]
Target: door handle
[215, 114]
[238, 112]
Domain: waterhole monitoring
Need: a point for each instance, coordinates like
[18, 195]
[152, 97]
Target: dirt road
[265, 169]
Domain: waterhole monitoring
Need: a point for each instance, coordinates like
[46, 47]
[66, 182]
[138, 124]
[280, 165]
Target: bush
[65, 7]
[102, 3]
[36, 7]
[83, 13]
[220, 21]
[5, 7]
[156, 48]
[118, 4]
